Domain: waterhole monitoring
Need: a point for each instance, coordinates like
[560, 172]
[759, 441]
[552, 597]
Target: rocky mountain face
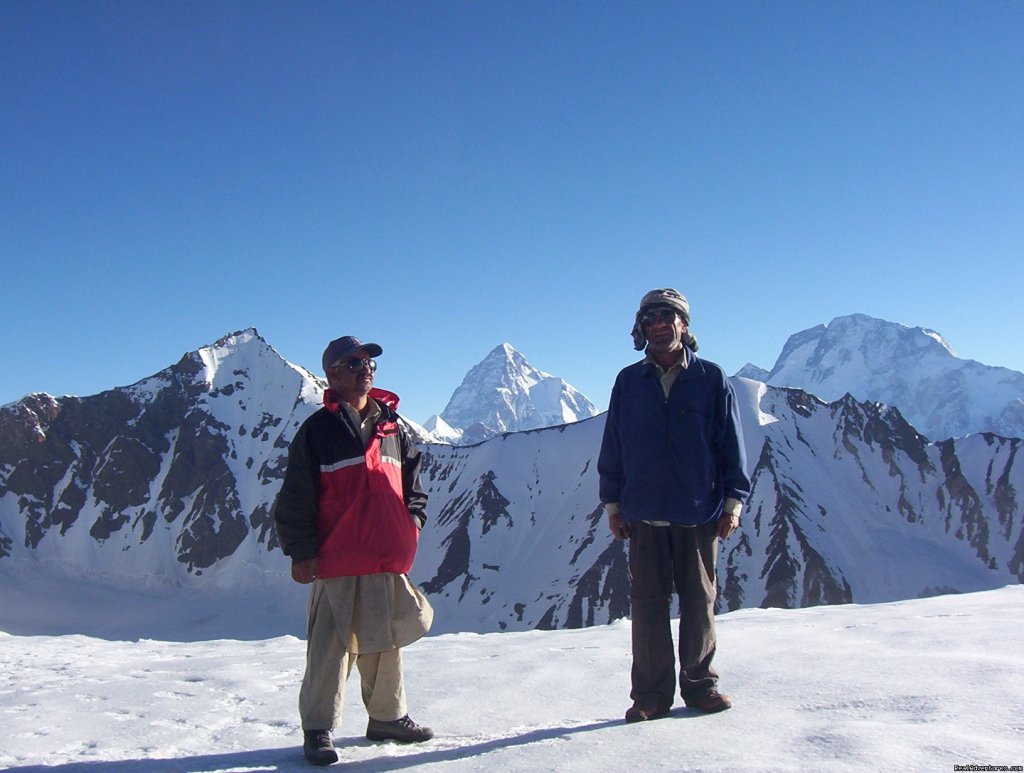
[504, 393]
[517, 538]
[908, 367]
[170, 482]
[850, 503]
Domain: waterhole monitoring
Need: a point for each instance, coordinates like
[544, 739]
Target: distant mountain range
[169, 483]
[911, 368]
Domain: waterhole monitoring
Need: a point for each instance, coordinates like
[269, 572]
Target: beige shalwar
[362, 621]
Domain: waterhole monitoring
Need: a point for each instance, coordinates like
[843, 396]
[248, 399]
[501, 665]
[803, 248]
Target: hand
[726, 525]
[619, 526]
[305, 571]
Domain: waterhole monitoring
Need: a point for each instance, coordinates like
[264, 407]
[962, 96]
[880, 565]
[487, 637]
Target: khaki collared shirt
[365, 424]
[668, 377]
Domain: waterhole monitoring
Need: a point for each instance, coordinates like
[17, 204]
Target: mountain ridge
[912, 368]
[168, 483]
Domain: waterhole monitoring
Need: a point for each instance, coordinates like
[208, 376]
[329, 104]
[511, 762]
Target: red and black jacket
[357, 511]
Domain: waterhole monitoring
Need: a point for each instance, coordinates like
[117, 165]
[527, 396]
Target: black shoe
[403, 730]
[641, 714]
[710, 701]
[318, 747]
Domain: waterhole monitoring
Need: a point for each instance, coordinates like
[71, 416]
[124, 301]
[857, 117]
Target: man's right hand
[304, 571]
[619, 526]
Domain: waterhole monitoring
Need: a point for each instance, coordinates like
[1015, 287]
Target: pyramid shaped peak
[505, 359]
[505, 393]
[241, 352]
[241, 343]
[504, 350]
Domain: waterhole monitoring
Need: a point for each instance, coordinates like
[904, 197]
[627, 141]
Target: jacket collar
[388, 402]
[693, 365]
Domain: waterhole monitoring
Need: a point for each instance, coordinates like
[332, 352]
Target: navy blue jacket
[674, 459]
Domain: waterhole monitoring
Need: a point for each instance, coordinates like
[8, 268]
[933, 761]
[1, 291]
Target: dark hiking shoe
[318, 747]
[710, 701]
[403, 730]
[640, 714]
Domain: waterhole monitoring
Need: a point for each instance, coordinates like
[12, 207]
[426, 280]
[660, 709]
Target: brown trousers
[663, 559]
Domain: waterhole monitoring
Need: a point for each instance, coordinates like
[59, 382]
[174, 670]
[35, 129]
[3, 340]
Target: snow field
[914, 685]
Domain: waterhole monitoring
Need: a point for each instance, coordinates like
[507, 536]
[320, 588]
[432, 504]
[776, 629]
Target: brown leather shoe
[318, 747]
[710, 701]
[640, 714]
[403, 730]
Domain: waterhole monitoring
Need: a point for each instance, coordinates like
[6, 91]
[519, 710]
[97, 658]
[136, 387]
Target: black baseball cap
[346, 346]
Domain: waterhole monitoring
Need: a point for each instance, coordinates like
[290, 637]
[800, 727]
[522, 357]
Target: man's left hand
[305, 571]
[727, 524]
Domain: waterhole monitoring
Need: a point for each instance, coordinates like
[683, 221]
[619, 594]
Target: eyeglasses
[654, 316]
[356, 364]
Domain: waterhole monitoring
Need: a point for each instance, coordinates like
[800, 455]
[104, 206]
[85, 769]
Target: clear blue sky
[443, 177]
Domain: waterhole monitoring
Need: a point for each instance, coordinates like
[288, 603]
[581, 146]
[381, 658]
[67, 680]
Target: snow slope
[917, 685]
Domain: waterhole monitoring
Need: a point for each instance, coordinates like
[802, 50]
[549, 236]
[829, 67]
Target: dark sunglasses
[356, 364]
[652, 317]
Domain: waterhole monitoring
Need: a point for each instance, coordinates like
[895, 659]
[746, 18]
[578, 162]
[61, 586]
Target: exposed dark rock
[965, 513]
[547, 622]
[492, 504]
[215, 526]
[602, 592]
[455, 563]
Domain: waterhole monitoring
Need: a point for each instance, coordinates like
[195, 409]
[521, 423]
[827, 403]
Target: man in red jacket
[349, 514]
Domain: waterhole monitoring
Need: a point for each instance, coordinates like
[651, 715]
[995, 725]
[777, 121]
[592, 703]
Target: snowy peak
[912, 368]
[195, 448]
[856, 345]
[230, 351]
[241, 354]
[753, 372]
[440, 431]
[505, 393]
[226, 364]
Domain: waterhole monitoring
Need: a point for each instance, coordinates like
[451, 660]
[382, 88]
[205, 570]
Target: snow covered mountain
[911, 368]
[167, 485]
[504, 393]
[849, 504]
[175, 473]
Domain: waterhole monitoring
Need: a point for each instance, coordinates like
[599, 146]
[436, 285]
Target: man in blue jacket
[673, 483]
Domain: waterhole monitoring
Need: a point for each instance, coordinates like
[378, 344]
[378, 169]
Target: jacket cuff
[300, 554]
[732, 507]
[613, 508]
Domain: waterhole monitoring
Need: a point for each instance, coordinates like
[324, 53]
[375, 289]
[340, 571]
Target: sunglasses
[654, 316]
[356, 364]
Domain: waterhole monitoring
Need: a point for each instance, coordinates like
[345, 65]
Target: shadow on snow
[291, 759]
